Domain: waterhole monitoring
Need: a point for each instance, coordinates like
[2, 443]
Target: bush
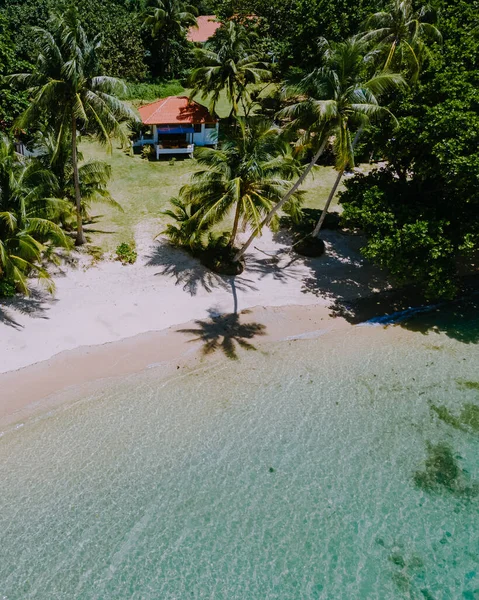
[147, 152]
[308, 221]
[126, 253]
[7, 289]
[150, 92]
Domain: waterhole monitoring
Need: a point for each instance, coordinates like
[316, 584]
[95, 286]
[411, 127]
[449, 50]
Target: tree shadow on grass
[190, 273]
[225, 333]
[34, 306]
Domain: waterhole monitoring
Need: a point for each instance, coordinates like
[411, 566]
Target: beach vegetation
[28, 234]
[126, 253]
[419, 211]
[331, 102]
[67, 91]
[228, 63]
[168, 22]
[249, 171]
[401, 34]
[335, 100]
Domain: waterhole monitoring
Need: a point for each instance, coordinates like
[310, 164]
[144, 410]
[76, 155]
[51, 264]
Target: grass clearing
[144, 189]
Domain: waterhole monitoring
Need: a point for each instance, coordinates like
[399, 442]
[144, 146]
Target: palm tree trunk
[231, 243]
[319, 224]
[80, 239]
[317, 229]
[283, 200]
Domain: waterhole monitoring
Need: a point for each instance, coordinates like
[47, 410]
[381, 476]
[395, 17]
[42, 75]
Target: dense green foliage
[69, 95]
[228, 63]
[28, 233]
[421, 213]
[247, 175]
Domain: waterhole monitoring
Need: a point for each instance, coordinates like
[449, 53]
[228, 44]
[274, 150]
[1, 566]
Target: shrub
[7, 289]
[147, 152]
[126, 253]
[152, 91]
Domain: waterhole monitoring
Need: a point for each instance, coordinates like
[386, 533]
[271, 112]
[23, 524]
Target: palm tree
[402, 32]
[26, 232]
[333, 99]
[232, 67]
[68, 91]
[94, 175]
[247, 174]
[168, 20]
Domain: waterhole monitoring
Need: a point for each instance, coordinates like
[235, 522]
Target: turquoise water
[345, 466]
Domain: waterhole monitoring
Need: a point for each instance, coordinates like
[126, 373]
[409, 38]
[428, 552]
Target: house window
[197, 127]
[210, 126]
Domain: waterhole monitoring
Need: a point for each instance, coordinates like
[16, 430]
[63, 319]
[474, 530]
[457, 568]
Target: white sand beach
[106, 302]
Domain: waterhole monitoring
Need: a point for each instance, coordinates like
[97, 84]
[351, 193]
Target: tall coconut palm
[246, 175]
[168, 20]
[94, 175]
[67, 90]
[26, 232]
[403, 33]
[231, 66]
[335, 99]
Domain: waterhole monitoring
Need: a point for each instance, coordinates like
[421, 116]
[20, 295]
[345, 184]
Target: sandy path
[109, 301]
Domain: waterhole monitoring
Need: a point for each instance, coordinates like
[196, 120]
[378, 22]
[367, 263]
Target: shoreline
[35, 388]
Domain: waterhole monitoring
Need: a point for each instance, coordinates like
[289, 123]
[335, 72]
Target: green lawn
[144, 188]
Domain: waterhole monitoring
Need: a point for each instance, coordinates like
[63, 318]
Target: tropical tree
[228, 63]
[66, 89]
[168, 21]
[335, 99]
[247, 175]
[94, 175]
[27, 234]
[403, 33]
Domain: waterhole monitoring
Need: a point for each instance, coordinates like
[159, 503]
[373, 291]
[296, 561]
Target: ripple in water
[340, 467]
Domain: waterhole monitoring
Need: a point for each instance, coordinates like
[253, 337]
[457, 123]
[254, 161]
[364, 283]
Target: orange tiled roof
[207, 25]
[174, 109]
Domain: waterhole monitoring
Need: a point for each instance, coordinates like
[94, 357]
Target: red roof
[207, 25]
[174, 109]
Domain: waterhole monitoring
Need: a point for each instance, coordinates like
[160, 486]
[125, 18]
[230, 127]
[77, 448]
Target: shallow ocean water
[345, 466]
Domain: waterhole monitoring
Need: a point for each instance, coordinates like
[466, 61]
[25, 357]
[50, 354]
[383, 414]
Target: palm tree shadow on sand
[190, 273]
[36, 306]
[225, 333]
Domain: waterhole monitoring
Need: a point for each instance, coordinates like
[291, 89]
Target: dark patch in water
[443, 473]
[468, 419]
[410, 570]
[468, 385]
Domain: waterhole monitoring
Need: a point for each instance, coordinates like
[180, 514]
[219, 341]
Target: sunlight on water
[341, 467]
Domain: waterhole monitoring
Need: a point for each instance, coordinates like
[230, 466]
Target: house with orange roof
[175, 125]
[206, 26]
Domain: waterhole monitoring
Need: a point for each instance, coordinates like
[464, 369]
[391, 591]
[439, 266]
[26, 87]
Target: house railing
[186, 149]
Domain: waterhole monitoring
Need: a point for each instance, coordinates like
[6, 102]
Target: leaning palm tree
[334, 100]
[66, 89]
[230, 65]
[27, 233]
[169, 20]
[403, 34]
[245, 176]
